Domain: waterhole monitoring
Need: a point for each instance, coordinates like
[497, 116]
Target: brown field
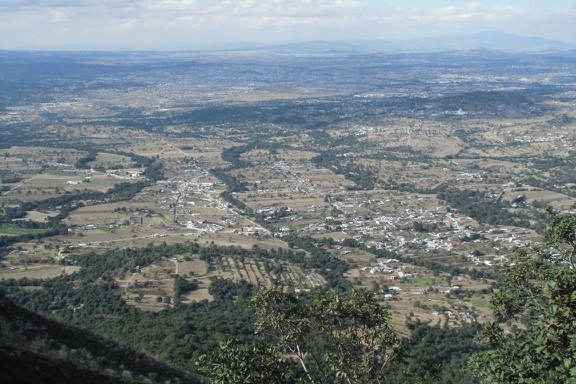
[194, 267]
[436, 139]
[247, 242]
[48, 172]
[142, 287]
[249, 94]
[39, 216]
[28, 156]
[44, 271]
[108, 160]
[556, 200]
[110, 213]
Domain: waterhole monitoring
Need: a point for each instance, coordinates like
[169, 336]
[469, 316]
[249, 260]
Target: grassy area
[423, 281]
[13, 230]
[481, 302]
[105, 229]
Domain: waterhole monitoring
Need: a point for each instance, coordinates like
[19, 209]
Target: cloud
[247, 14]
[66, 3]
[158, 21]
[471, 11]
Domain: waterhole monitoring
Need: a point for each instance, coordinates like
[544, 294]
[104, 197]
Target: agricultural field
[46, 271]
[348, 169]
[152, 287]
[12, 230]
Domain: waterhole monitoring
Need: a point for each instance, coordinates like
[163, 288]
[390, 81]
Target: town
[424, 185]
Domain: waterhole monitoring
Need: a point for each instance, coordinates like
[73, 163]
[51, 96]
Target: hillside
[34, 349]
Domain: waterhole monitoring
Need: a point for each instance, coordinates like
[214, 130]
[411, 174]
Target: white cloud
[471, 11]
[185, 21]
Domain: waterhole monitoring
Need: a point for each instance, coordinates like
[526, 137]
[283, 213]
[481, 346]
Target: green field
[13, 230]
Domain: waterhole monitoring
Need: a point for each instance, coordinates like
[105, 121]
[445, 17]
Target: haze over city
[192, 24]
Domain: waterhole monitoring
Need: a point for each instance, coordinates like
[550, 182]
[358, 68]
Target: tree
[233, 363]
[537, 297]
[328, 337]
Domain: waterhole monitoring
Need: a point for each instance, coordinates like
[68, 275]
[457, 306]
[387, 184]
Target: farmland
[351, 169]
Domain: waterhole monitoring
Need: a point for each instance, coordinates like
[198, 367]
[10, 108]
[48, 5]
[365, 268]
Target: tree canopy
[537, 301]
[328, 337]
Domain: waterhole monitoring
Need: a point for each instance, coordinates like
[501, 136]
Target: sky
[189, 24]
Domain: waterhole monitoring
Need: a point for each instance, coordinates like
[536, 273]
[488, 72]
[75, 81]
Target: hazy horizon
[191, 24]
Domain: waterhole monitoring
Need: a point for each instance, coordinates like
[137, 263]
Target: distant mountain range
[493, 40]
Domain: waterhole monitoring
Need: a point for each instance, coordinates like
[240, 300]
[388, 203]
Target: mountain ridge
[491, 40]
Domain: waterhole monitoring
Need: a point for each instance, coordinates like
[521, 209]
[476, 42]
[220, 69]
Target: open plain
[421, 186]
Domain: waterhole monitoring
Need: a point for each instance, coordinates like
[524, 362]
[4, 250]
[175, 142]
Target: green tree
[537, 298]
[233, 363]
[328, 338]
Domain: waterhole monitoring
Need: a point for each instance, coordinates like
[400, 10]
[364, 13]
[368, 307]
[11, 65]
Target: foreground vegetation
[328, 336]
[537, 297]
